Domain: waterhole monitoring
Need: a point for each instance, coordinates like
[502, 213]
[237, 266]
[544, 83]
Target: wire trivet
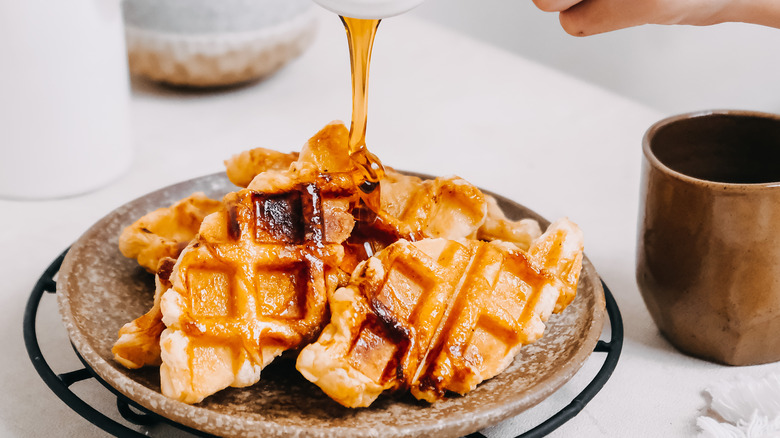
[137, 415]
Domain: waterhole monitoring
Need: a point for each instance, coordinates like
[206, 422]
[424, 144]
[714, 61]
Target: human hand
[589, 17]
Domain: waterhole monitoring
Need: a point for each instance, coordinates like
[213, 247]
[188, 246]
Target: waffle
[166, 231]
[447, 207]
[327, 151]
[139, 340]
[256, 280]
[497, 226]
[444, 207]
[243, 167]
[414, 209]
[440, 315]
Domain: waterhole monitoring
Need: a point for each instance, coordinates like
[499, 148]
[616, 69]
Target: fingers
[764, 12]
[555, 5]
[590, 17]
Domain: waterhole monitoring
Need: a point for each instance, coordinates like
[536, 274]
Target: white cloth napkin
[743, 408]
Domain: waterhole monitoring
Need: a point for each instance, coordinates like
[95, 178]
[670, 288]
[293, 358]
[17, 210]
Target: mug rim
[658, 164]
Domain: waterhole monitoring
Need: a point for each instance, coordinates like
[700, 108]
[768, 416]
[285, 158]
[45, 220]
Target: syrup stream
[360, 35]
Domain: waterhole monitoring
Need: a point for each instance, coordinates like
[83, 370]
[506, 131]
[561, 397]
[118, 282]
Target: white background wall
[671, 68]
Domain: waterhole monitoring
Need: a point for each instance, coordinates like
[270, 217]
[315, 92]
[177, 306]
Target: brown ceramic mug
[708, 254]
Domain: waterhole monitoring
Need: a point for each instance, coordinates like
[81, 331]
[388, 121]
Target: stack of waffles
[435, 292]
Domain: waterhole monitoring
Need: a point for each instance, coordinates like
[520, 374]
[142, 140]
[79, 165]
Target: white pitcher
[369, 9]
[64, 97]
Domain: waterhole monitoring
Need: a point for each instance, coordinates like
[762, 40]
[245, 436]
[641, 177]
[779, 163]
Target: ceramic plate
[99, 290]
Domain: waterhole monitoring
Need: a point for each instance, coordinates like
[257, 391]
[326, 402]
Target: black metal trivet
[137, 415]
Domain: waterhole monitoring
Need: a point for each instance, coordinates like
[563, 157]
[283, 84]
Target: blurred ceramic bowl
[208, 43]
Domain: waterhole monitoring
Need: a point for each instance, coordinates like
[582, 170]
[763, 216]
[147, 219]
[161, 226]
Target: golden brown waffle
[256, 280]
[139, 340]
[166, 231]
[440, 315]
[448, 207]
[498, 227]
[414, 209]
[243, 167]
[444, 207]
[328, 151]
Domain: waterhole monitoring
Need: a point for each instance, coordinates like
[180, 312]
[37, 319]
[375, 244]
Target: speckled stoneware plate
[99, 290]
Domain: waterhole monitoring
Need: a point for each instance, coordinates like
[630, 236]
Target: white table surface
[440, 103]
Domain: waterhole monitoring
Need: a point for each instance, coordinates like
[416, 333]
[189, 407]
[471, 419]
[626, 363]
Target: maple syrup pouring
[360, 34]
